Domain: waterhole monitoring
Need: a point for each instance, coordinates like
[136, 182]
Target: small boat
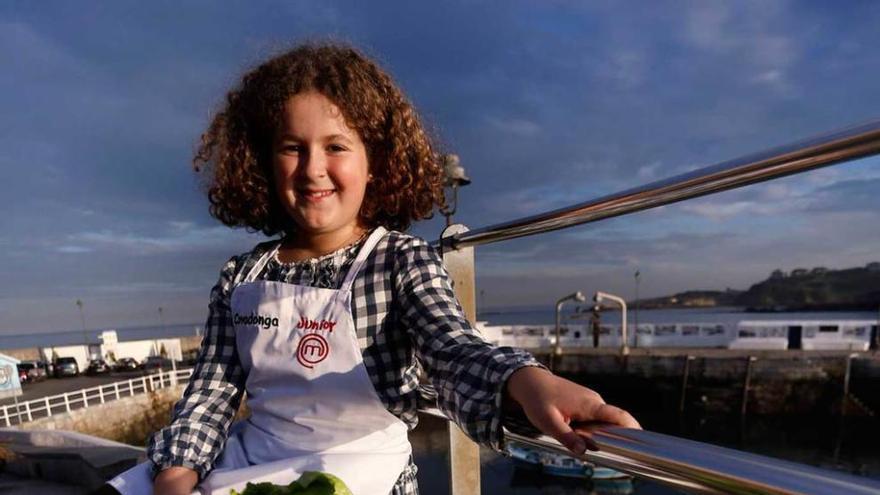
[558, 464]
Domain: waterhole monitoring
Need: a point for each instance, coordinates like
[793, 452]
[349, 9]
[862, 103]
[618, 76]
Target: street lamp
[601, 296]
[173, 361]
[82, 319]
[575, 296]
[455, 178]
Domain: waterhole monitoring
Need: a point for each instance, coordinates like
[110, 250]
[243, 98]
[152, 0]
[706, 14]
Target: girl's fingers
[552, 423]
[610, 414]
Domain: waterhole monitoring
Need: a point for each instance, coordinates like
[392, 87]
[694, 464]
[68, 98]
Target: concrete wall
[128, 420]
[779, 382]
[141, 349]
[26, 354]
[190, 344]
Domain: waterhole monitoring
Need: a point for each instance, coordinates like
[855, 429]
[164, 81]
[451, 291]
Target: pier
[727, 381]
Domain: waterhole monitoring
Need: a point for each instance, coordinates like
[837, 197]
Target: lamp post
[173, 361]
[637, 275]
[601, 296]
[557, 348]
[455, 178]
[82, 319]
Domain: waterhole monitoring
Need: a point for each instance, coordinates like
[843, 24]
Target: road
[55, 386]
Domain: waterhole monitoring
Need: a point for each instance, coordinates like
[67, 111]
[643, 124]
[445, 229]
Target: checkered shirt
[407, 319]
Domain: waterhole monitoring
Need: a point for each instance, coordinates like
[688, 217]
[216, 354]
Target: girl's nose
[313, 165]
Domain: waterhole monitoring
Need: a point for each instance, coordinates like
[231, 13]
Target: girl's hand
[175, 481]
[551, 403]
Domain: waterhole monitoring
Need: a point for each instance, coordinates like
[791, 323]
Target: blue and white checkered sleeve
[201, 419]
[468, 373]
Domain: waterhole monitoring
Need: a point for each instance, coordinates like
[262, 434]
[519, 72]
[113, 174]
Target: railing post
[48, 408]
[67, 402]
[684, 382]
[27, 409]
[6, 415]
[101, 393]
[464, 454]
[846, 378]
[747, 385]
[144, 380]
[85, 399]
[116, 389]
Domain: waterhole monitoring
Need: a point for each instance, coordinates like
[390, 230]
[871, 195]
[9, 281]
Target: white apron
[313, 406]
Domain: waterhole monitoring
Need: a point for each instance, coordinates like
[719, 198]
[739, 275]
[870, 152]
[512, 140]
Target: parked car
[66, 366]
[33, 370]
[48, 367]
[155, 364]
[126, 364]
[97, 367]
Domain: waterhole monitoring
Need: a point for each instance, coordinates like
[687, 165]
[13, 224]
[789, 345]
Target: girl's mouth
[317, 194]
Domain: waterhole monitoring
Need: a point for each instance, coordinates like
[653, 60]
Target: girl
[326, 327]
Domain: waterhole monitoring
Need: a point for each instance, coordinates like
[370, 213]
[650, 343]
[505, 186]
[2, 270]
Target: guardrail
[64, 403]
[699, 467]
[690, 466]
[829, 149]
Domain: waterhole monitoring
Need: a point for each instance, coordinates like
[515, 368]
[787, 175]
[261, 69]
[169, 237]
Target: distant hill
[815, 289]
[692, 299]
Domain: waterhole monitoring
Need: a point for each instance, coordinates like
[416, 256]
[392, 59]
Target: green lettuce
[310, 483]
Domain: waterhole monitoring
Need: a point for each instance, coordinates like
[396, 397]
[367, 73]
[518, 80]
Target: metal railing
[838, 147]
[682, 464]
[698, 467]
[45, 407]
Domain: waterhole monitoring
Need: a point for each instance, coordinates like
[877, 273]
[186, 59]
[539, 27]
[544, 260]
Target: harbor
[668, 207]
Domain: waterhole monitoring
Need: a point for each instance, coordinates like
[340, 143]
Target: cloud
[74, 249]
[517, 127]
[180, 238]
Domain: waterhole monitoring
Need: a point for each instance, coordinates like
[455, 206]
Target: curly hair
[407, 178]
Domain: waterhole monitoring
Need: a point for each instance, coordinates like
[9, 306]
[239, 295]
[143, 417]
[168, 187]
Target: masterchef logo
[312, 349]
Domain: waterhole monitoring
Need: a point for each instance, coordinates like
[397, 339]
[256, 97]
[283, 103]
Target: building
[111, 349]
[10, 385]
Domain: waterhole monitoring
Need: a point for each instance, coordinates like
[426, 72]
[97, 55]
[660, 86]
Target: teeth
[318, 194]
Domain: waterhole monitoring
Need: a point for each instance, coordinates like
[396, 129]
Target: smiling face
[320, 166]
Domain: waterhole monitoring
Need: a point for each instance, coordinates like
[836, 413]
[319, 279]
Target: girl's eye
[336, 148]
[291, 148]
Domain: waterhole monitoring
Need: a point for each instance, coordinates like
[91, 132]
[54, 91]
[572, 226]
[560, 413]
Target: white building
[111, 349]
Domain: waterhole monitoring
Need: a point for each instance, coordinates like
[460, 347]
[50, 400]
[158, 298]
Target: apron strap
[261, 263]
[365, 251]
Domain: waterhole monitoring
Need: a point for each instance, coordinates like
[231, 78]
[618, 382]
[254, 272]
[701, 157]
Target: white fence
[63, 403]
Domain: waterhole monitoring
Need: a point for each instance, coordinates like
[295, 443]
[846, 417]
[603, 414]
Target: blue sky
[547, 103]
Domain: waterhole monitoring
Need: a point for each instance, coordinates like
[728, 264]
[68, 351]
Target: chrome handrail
[684, 464]
[699, 467]
[837, 147]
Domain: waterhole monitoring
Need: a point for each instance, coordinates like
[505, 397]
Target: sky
[548, 104]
